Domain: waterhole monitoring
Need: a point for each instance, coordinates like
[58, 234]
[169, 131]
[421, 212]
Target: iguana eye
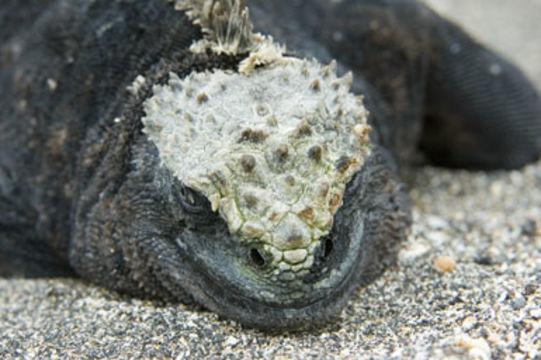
[192, 201]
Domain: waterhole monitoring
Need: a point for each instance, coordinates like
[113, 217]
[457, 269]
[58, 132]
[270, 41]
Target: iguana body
[85, 188]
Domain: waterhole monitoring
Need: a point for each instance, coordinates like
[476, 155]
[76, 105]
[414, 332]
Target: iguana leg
[481, 111]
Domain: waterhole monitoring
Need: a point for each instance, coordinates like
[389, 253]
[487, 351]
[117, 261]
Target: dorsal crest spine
[226, 24]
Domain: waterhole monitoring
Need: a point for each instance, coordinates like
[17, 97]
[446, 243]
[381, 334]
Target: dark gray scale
[83, 191]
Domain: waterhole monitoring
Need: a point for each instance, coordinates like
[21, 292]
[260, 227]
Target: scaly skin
[83, 190]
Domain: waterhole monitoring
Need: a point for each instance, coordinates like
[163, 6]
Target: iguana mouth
[226, 279]
[230, 285]
[275, 316]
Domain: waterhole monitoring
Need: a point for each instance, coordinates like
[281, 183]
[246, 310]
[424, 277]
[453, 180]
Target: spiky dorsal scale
[226, 24]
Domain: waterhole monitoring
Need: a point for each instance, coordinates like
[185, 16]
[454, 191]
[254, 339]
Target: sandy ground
[485, 226]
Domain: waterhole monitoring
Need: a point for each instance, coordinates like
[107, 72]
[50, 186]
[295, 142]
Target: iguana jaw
[302, 314]
[225, 281]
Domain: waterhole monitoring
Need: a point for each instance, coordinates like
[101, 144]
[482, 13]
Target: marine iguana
[162, 148]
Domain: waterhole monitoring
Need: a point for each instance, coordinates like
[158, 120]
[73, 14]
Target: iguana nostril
[328, 247]
[257, 258]
[318, 270]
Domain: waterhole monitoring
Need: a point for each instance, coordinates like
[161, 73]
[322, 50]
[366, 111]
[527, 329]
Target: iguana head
[269, 151]
[272, 152]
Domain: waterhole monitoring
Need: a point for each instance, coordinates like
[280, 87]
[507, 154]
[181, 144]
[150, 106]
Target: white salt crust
[271, 150]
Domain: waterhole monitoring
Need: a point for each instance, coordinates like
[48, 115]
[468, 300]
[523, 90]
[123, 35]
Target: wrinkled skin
[84, 195]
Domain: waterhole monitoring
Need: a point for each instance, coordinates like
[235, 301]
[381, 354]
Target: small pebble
[530, 289]
[529, 228]
[477, 348]
[496, 188]
[232, 341]
[437, 223]
[518, 303]
[413, 251]
[437, 237]
[484, 260]
[535, 314]
[444, 264]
